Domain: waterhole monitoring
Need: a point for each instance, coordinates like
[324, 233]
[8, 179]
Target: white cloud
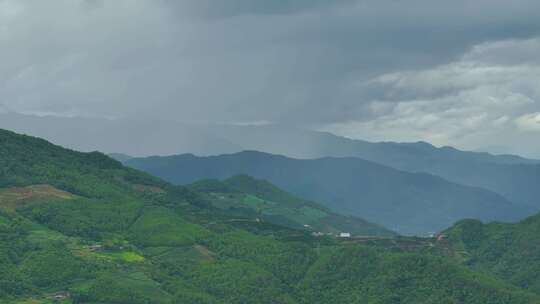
[529, 122]
[469, 103]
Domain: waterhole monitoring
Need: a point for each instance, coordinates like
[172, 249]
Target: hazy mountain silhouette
[410, 203]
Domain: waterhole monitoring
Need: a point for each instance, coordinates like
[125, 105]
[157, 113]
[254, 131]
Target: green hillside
[508, 251]
[260, 199]
[81, 228]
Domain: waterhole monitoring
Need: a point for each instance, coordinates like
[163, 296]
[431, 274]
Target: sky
[462, 73]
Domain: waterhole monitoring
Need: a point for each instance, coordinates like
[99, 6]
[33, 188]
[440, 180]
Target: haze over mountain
[411, 203]
[137, 137]
[513, 177]
[132, 137]
[324, 64]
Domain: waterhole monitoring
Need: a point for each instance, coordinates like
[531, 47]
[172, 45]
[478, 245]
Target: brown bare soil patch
[205, 252]
[12, 197]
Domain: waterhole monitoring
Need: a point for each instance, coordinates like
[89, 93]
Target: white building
[345, 235]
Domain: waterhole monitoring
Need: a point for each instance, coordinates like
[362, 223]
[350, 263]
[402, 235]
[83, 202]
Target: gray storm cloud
[444, 71]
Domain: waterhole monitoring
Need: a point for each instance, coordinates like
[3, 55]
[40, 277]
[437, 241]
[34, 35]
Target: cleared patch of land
[12, 197]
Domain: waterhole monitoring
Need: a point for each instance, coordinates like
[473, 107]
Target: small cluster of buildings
[59, 296]
[95, 247]
[340, 235]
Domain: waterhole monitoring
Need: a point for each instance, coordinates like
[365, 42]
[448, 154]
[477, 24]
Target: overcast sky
[464, 72]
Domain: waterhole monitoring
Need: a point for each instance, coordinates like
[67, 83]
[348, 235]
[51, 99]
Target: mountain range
[516, 178]
[81, 228]
[409, 203]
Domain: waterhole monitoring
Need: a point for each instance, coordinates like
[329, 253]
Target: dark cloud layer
[231, 8]
[358, 67]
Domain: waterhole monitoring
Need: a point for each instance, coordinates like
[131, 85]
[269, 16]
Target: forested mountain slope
[409, 203]
[247, 196]
[81, 228]
[508, 251]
